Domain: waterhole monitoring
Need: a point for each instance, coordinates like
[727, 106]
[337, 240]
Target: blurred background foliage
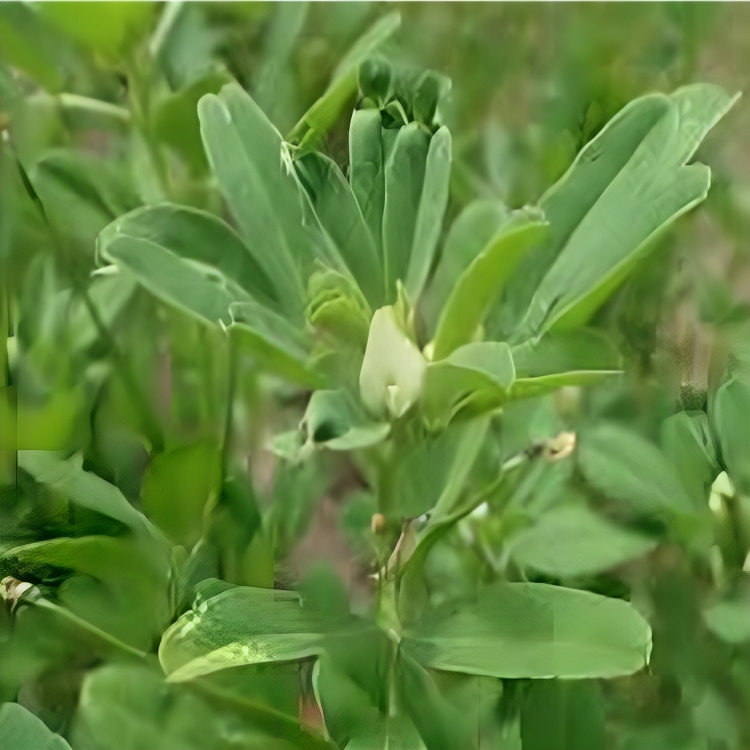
[98, 116]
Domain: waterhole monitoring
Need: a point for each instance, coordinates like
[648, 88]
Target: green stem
[267, 717]
[4, 322]
[9, 455]
[140, 108]
[150, 424]
[228, 419]
[169, 16]
[87, 626]
[437, 526]
[84, 104]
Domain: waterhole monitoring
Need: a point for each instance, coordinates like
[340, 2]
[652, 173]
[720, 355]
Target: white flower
[391, 377]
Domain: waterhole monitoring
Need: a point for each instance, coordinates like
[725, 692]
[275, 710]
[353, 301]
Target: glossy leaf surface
[240, 626]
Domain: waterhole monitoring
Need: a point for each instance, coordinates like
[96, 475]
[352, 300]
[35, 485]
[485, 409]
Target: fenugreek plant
[329, 327]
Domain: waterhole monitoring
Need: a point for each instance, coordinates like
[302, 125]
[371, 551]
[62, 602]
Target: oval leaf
[21, 730]
[627, 467]
[574, 541]
[241, 626]
[533, 630]
[193, 235]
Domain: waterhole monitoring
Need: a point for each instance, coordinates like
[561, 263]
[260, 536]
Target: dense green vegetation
[370, 383]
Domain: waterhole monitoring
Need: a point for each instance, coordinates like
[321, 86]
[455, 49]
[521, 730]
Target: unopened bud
[377, 524]
[560, 447]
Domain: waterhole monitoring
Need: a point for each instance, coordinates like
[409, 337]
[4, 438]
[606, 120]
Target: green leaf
[297, 490]
[473, 379]
[432, 476]
[627, 467]
[27, 43]
[729, 411]
[481, 283]
[71, 182]
[563, 715]
[234, 522]
[125, 707]
[338, 309]
[432, 204]
[626, 185]
[13, 201]
[89, 188]
[571, 358]
[532, 630]
[574, 541]
[85, 113]
[339, 213]
[169, 249]
[276, 344]
[257, 179]
[21, 730]
[729, 619]
[404, 181]
[108, 28]
[387, 733]
[343, 86]
[334, 419]
[391, 377]
[470, 441]
[240, 626]
[84, 489]
[193, 261]
[176, 119]
[110, 295]
[192, 288]
[188, 234]
[275, 87]
[50, 426]
[51, 315]
[441, 725]
[367, 169]
[350, 716]
[687, 439]
[119, 593]
[340, 315]
[99, 556]
[467, 237]
[177, 487]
